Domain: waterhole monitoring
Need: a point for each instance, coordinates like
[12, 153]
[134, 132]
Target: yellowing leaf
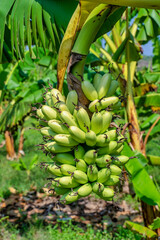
[66, 46]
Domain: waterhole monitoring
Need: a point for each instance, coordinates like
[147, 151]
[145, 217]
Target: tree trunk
[10, 146]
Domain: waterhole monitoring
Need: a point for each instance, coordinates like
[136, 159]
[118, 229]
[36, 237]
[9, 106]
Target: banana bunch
[85, 151]
[101, 92]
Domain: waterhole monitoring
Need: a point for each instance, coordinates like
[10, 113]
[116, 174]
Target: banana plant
[23, 85]
[90, 20]
[75, 76]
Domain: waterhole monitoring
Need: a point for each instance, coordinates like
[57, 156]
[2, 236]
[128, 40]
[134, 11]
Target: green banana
[72, 100]
[92, 173]
[68, 118]
[106, 102]
[83, 119]
[58, 127]
[49, 100]
[61, 191]
[85, 190]
[65, 158]
[40, 114]
[112, 134]
[109, 148]
[90, 156]
[80, 177]
[97, 187]
[49, 112]
[113, 180]
[68, 182]
[96, 80]
[115, 170]
[65, 140]
[81, 165]
[95, 105]
[103, 161]
[79, 152]
[61, 106]
[55, 182]
[96, 122]
[112, 89]
[89, 90]
[103, 175]
[118, 150]
[104, 85]
[47, 131]
[56, 148]
[107, 118]
[67, 169]
[71, 197]
[120, 160]
[57, 96]
[55, 170]
[90, 138]
[102, 140]
[107, 193]
[77, 134]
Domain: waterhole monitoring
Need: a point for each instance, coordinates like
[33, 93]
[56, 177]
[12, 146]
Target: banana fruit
[85, 148]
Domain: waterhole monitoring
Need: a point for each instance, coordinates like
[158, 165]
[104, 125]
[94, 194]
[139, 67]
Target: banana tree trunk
[10, 146]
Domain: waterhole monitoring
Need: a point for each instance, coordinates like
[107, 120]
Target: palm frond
[31, 22]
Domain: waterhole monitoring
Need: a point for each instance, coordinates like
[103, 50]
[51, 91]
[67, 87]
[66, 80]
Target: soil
[45, 206]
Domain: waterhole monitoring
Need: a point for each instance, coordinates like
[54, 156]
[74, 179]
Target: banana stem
[90, 29]
[87, 36]
[131, 110]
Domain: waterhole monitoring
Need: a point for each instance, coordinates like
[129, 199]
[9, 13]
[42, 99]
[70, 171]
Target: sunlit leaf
[144, 231]
[154, 160]
[142, 183]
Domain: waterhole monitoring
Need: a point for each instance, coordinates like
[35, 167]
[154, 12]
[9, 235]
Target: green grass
[9, 177]
[65, 232]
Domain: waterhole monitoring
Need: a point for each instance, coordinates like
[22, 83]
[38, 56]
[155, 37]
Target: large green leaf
[110, 21]
[143, 184]
[34, 22]
[152, 99]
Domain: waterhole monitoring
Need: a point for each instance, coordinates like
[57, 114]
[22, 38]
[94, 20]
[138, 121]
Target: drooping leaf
[149, 26]
[155, 16]
[152, 99]
[120, 50]
[144, 231]
[50, 19]
[142, 36]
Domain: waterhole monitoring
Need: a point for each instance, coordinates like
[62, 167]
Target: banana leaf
[152, 99]
[144, 231]
[142, 183]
